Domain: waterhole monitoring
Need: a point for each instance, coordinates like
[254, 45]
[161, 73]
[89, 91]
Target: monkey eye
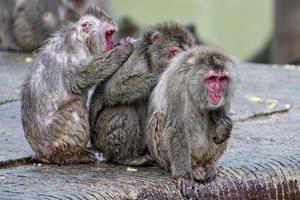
[224, 79]
[212, 78]
[85, 24]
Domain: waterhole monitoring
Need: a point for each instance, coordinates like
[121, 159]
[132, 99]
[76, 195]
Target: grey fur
[54, 94]
[184, 133]
[118, 109]
[26, 24]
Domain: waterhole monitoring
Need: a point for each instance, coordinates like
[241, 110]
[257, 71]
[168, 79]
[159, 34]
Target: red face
[173, 51]
[216, 83]
[106, 33]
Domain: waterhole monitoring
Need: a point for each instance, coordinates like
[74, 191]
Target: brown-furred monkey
[118, 108]
[54, 94]
[188, 117]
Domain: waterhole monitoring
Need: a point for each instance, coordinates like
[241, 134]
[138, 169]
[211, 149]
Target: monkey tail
[18, 162]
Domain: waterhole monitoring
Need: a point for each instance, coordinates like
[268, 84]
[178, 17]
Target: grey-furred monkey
[54, 95]
[118, 108]
[25, 24]
[188, 118]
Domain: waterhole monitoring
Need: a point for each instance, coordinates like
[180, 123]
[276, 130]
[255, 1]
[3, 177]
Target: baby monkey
[188, 123]
[54, 94]
[118, 108]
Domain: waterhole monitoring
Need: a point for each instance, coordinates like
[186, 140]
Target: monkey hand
[222, 130]
[126, 40]
[185, 185]
[121, 53]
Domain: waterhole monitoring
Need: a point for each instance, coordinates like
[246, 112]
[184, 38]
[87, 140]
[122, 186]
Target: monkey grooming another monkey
[188, 120]
[54, 95]
[118, 108]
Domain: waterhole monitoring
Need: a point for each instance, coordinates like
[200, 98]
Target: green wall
[241, 27]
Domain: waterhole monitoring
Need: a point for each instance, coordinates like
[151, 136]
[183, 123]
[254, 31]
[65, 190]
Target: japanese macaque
[118, 108]
[188, 118]
[26, 24]
[54, 94]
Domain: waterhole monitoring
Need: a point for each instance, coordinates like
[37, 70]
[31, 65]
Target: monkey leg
[68, 135]
[118, 136]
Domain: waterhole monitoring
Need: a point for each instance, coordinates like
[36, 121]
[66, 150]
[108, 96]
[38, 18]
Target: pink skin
[108, 29]
[85, 27]
[172, 52]
[215, 83]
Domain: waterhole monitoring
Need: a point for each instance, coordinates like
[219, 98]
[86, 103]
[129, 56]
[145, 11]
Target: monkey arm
[102, 67]
[129, 87]
[132, 82]
[222, 125]
[96, 104]
[178, 151]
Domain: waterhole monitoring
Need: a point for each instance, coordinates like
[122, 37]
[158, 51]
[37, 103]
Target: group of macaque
[157, 98]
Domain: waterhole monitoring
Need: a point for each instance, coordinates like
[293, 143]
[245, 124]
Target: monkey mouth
[108, 40]
[215, 97]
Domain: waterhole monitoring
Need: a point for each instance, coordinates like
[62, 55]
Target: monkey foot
[87, 157]
[142, 161]
[40, 159]
[185, 185]
[210, 172]
[206, 173]
[199, 174]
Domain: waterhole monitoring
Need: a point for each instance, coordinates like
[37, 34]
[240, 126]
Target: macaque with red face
[118, 108]
[54, 94]
[188, 117]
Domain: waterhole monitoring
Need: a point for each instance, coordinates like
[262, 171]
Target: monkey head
[165, 41]
[95, 30]
[212, 78]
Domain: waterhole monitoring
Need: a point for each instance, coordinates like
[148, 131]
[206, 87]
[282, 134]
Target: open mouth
[108, 40]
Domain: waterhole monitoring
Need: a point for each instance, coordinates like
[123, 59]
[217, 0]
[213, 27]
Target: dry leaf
[28, 59]
[271, 103]
[256, 99]
[129, 169]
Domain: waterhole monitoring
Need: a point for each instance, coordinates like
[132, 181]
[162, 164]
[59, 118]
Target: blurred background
[240, 27]
[261, 31]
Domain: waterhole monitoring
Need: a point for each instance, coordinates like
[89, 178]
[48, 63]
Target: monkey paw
[207, 173]
[87, 157]
[185, 185]
[199, 174]
[210, 172]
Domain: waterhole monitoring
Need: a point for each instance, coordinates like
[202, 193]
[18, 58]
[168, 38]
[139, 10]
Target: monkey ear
[155, 36]
[173, 51]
